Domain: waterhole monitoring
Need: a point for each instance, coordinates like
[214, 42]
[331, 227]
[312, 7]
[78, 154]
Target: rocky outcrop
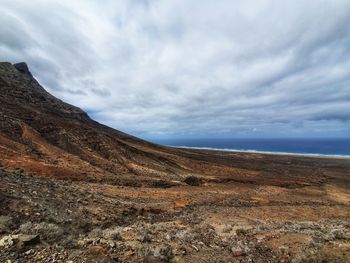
[23, 68]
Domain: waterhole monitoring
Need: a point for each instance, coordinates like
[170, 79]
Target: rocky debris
[144, 234]
[158, 254]
[241, 231]
[20, 239]
[48, 231]
[29, 239]
[335, 234]
[240, 249]
[185, 236]
[112, 234]
[131, 233]
[70, 243]
[208, 235]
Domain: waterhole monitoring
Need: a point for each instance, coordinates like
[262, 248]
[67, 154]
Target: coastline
[314, 155]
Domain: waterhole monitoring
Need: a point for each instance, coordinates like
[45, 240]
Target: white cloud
[184, 67]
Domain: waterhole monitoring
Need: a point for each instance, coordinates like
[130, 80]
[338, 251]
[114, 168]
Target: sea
[305, 146]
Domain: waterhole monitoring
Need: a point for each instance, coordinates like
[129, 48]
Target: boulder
[21, 240]
[238, 252]
[7, 241]
[28, 240]
[193, 181]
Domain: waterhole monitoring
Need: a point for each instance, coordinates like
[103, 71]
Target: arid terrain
[74, 190]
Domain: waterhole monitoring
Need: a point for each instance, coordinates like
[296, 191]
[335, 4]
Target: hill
[74, 190]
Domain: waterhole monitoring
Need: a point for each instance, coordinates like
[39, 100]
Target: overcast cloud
[185, 67]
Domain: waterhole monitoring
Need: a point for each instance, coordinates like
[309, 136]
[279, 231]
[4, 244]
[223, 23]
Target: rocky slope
[73, 190]
[42, 135]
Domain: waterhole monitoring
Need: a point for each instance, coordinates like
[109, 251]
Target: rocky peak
[23, 95]
[23, 68]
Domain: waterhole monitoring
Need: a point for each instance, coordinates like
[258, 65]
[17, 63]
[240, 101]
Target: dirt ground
[303, 217]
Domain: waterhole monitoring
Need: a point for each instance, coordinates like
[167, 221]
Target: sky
[185, 68]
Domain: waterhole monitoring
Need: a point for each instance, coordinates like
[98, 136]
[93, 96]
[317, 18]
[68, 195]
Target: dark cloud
[187, 67]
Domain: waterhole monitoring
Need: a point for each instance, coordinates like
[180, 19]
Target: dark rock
[162, 184]
[23, 67]
[194, 181]
[29, 240]
[47, 231]
[70, 243]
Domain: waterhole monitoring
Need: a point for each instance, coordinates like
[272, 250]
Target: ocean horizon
[302, 146]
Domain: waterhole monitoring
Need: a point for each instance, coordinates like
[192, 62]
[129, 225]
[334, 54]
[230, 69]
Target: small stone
[164, 253]
[240, 249]
[112, 244]
[28, 240]
[7, 241]
[184, 236]
[112, 234]
[283, 249]
[227, 229]
[238, 252]
[28, 252]
[241, 231]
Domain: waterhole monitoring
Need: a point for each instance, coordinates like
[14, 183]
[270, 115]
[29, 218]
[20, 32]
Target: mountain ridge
[42, 135]
[30, 113]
